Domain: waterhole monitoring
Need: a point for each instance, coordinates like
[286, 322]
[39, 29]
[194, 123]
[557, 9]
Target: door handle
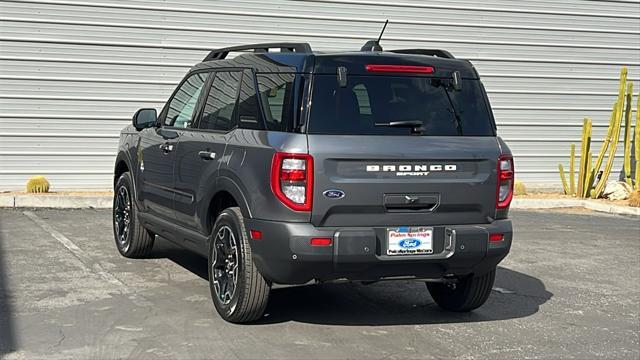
[207, 155]
[166, 148]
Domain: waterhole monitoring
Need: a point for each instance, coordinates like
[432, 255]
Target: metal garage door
[73, 72]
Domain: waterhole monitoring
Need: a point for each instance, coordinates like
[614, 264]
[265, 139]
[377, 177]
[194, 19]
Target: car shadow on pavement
[189, 260]
[515, 295]
[7, 331]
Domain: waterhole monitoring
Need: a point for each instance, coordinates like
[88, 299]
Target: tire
[468, 294]
[247, 300]
[134, 241]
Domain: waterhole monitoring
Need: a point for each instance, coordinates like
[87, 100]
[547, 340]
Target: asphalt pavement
[569, 289]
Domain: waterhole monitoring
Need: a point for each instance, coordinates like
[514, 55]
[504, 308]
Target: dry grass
[544, 195]
[634, 199]
[565, 210]
[552, 196]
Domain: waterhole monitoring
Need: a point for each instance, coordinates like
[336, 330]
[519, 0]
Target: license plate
[409, 241]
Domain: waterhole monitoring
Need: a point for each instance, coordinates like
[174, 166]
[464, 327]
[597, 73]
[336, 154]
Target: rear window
[369, 102]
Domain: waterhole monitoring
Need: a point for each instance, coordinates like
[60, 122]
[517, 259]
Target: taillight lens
[504, 193]
[292, 180]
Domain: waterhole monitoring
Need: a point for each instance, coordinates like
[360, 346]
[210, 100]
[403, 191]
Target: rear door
[371, 173]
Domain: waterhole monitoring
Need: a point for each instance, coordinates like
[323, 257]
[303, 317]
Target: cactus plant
[636, 142]
[599, 188]
[627, 136]
[519, 188]
[591, 181]
[585, 146]
[605, 145]
[563, 178]
[587, 188]
[572, 170]
[38, 184]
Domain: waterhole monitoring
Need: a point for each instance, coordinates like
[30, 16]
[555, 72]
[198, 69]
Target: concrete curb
[57, 201]
[7, 201]
[544, 203]
[612, 209]
[105, 202]
[565, 203]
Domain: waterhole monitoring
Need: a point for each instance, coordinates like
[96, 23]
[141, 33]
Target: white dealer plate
[407, 240]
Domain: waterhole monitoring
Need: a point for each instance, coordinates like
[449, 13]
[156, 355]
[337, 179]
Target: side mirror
[145, 118]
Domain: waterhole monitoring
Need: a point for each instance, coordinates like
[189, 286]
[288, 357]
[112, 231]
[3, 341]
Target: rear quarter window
[277, 97]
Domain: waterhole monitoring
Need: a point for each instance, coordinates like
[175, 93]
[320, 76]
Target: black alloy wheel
[224, 266]
[122, 217]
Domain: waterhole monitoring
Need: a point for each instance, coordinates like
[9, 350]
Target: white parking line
[80, 254]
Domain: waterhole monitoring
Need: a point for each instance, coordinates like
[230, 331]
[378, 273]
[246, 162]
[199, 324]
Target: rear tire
[132, 239]
[468, 294]
[239, 292]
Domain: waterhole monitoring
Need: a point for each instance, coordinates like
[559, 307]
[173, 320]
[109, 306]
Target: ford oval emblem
[410, 243]
[333, 194]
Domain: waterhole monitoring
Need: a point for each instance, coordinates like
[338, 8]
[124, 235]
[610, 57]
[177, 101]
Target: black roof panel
[353, 61]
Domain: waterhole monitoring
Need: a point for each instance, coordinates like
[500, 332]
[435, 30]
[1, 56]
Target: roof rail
[220, 54]
[429, 52]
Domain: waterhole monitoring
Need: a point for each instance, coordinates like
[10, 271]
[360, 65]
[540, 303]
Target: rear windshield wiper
[446, 86]
[415, 125]
[455, 113]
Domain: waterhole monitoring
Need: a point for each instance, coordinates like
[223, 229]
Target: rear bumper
[284, 255]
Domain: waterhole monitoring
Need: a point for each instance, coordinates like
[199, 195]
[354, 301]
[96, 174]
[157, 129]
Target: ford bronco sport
[293, 166]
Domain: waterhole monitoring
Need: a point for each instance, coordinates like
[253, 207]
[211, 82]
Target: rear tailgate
[403, 180]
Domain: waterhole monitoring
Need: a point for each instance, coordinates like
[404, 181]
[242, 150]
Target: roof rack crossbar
[429, 52]
[220, 54]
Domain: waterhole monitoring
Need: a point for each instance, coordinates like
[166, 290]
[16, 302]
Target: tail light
[292, 180]
[504, 194]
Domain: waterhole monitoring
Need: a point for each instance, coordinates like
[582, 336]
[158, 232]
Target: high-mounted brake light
[400, 69]
[292, 180]
[504, 193]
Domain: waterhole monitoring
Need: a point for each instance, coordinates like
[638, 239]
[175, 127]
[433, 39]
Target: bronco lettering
[411, 170]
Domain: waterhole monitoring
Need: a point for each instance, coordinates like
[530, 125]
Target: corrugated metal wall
[73, 72]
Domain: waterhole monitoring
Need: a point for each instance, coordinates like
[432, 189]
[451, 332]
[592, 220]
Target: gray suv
[294, 166]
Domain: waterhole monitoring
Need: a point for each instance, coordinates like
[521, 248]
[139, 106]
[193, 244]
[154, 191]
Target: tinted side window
[182, 105]
[248, 111]
[276, 93]
[220, 107]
